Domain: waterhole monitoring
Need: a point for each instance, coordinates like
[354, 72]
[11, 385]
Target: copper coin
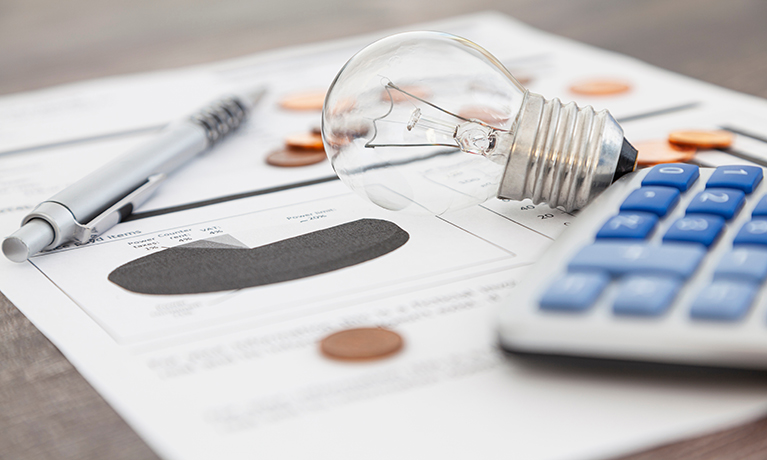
[523, 79]
[305, 141]
[291, 158]
[702, 139]
[311, 100]
[341, 106]
[600, 87]
[656, 152]
[419, 92]
[359, 344]
[485, 114]
[345, 136]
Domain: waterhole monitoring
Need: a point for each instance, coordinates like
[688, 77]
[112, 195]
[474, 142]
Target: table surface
[47, 409]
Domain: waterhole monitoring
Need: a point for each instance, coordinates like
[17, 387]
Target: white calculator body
[668, 265]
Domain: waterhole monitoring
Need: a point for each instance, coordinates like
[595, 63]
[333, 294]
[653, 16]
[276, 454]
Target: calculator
[668, 265]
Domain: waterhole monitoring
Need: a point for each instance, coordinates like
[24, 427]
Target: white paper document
[199, 318]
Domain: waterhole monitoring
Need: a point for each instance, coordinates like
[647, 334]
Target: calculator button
[644, 295]
[703, 229]
[619, 258]
[635, 225]
[678, 175]
[761, 208]
[574, 291]
[752, 232]
[743, 263]
[744, 178]
[723, 301]
[657, 200]
[724, 202]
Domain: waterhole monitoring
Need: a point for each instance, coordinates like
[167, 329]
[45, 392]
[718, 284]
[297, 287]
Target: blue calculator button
[621, 258]
[724, 202]
[635, 225]
[723, 300]
[743, 263]
[644, 295]
[752, 232]
[657, 200]
[744, 178]
[703, 229]
[678, 175]
[574, 291]
[761, 208]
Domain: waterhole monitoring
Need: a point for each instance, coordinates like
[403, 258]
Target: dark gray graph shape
[224, 264]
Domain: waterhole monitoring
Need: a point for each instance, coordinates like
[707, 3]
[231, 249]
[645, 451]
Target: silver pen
[105, 197]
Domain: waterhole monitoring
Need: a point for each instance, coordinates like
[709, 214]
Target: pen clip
[118, 211]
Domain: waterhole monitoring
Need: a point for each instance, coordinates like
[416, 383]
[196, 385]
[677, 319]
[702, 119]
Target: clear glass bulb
[431, 122]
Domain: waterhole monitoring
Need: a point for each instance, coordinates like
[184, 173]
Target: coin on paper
[365, 343]
[600, 87]
[291, 158]
[400, 95]
[716, 139]
[655, 152]
[485, 114]
[312, 100]
[305, 141]
[522, 79]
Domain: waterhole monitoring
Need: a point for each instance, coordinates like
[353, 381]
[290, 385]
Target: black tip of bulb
[627, 161]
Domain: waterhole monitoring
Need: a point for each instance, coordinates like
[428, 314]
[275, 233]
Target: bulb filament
[469, 135]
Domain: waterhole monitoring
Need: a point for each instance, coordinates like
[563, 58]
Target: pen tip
[31, 238]
[15, 249]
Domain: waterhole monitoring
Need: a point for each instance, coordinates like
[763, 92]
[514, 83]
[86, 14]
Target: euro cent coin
[405, 93]
[305, 141]
[600, 87]
[716, 139]
[522, 79]
[288, 158]
[360, 344]
[655, 152]
[311, 100]
[485, 114]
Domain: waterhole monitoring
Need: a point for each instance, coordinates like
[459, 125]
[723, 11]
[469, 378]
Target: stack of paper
[237, 373]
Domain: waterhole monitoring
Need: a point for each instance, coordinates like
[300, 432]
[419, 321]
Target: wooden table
[47, 410]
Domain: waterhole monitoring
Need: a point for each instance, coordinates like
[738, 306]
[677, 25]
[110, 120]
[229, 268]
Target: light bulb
[432, 122]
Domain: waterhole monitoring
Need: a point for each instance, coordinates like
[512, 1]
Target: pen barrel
[96, 192]
[103, 198]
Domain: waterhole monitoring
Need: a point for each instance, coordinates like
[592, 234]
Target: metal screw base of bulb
[563, 155]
